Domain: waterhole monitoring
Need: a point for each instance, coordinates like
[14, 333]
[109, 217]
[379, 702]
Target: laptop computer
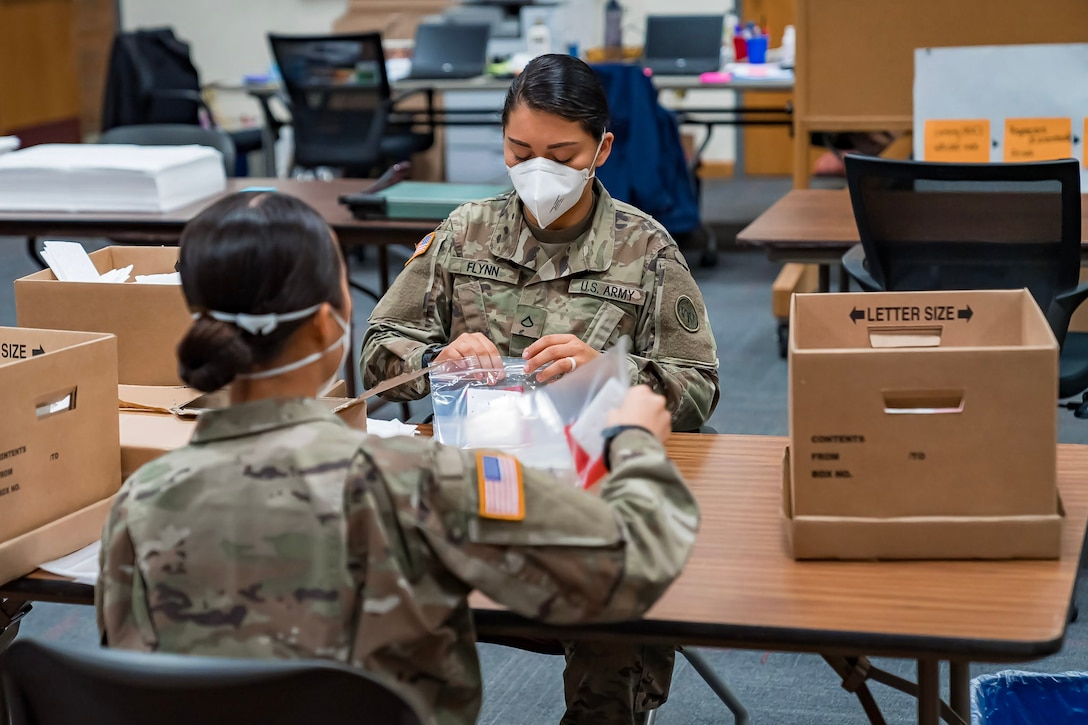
[683, 44]
[450, 50]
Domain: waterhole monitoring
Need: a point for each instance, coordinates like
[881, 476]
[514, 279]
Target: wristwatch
[609, 433]
[430, 354]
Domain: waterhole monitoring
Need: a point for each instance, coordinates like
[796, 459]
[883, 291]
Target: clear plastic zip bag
[555, 426]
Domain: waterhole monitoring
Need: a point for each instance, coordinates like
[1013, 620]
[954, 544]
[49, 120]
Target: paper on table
[759, 71]
[165, 278]
[69, 262]
[8, 143]
[80, 565]
[389, 428]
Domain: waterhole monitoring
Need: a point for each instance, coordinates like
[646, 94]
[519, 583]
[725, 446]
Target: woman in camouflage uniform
[556, 272]
[280, 532]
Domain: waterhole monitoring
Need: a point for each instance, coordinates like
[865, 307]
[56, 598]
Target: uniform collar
[259, 416]
[512, 240]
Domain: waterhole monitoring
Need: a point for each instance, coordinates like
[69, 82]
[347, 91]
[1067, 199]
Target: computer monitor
[683, 44]
[450, 50]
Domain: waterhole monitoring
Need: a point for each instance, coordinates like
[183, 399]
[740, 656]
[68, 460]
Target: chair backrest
[174, 134]
[339, 96]
[940, 226]
[47, 685]
[142, 63]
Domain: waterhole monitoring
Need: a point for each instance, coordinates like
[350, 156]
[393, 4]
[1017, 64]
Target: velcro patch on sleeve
[501, 491]
[421, 248]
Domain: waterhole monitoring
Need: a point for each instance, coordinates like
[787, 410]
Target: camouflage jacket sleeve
[116, 612]
[574, 557]
[674, 350]
[412, 316]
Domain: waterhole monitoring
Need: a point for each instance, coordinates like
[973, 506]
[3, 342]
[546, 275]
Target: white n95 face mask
[344, 340]
[548, 188]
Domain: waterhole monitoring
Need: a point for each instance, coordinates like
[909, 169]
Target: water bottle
[613, 30]
[789, 46]
[539, 39]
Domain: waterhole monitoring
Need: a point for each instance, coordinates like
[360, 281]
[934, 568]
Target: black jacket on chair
[151, 79]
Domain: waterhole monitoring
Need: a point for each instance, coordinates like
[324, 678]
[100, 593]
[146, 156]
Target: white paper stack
[70, 262]
[80, 565]
[104, 177]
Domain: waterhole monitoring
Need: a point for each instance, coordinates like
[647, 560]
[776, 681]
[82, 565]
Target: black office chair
[340, 103]
[48, 685]
[174, 134]
[152, 80]
[938, 226]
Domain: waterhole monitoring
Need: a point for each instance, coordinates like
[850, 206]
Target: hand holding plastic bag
[556, 427]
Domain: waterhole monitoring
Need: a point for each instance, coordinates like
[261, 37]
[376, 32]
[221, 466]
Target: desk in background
[470, 107]
[741, 589]
[817, 226]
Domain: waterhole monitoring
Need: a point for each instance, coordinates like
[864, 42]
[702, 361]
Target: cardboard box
[794, 278]
[920, 537]
[58, 435]
[25, 553]
[148, 319]
[154, 421]
[922, 404]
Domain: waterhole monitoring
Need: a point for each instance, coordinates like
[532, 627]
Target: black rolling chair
[174, 134]
[340, 103]
[937, 226]
[47, 685]
[152, 80]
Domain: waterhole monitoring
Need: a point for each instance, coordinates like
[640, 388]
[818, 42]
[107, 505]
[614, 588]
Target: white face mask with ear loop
[548, 188]
[344, 340]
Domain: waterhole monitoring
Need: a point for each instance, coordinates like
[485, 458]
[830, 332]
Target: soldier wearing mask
[280, 532]
[557, 272]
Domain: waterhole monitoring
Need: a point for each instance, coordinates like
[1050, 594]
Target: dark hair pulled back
[256, 254]
[563, 86]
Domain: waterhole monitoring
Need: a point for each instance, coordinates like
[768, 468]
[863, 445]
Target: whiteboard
[1003, 82]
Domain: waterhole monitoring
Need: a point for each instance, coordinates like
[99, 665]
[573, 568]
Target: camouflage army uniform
[280, 532]
[484, 271]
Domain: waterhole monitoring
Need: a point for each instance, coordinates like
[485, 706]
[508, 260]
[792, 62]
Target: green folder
[419, 199]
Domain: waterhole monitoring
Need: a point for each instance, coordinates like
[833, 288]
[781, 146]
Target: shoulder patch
[421, 248]
[501, 492]
[686, 314]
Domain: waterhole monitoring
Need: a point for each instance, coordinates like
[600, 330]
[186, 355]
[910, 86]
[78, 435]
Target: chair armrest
[185, 94]
[1062, 309]
[854, 263]
[429, 92]
[1072, 299]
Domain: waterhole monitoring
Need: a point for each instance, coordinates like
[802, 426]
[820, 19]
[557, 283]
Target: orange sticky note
[1038, 139]
[958, 141]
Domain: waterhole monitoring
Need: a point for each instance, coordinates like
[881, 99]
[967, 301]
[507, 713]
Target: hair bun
[211, 354]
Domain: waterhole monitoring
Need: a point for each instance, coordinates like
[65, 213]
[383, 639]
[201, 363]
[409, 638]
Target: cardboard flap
[155, 398]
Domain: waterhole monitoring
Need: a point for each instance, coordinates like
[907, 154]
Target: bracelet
[609, 434]
[430, 354]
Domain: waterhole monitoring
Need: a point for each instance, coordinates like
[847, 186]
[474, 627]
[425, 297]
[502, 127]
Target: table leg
[824, 283]
[929, 692]
[32, 252]
[383, 267]
[959, 680]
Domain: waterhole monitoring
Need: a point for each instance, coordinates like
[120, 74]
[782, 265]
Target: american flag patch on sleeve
[500, 489]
